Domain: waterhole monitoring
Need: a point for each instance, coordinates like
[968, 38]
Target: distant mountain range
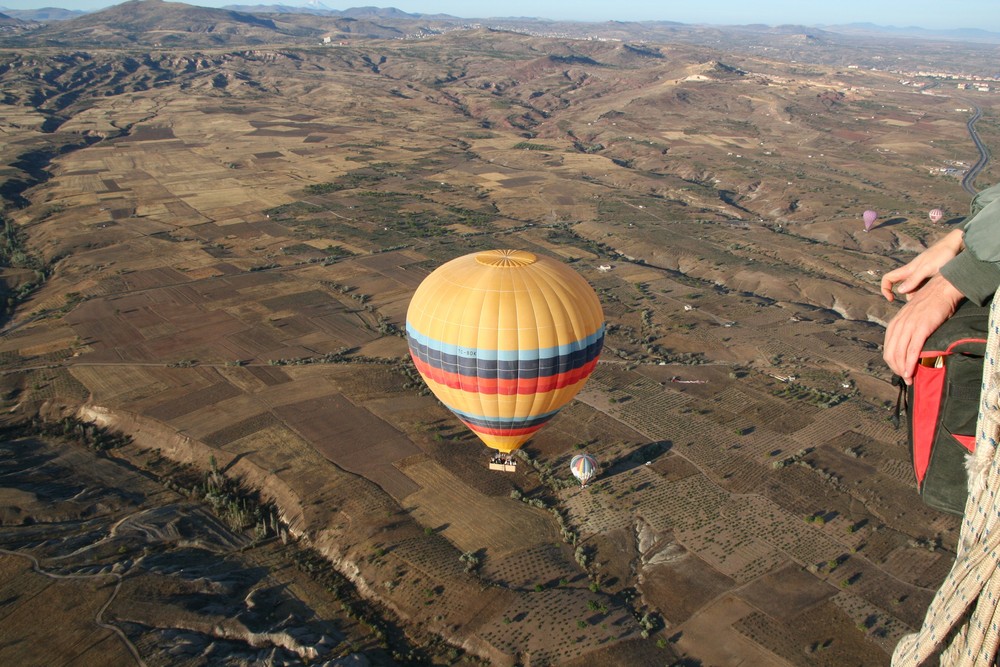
[962, 34]
[155, 23]
[44, 14]
[159, 23]
[319, 9]
[316, 8]
[313, 8]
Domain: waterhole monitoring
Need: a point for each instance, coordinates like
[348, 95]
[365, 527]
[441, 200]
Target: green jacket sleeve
[975, 272]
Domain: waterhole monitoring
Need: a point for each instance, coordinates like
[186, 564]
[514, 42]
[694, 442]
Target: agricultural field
[227, 266]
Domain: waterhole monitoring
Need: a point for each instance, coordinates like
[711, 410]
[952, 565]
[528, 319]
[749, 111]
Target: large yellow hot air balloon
[505, 338]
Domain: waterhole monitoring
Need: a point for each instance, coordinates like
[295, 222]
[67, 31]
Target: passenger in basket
[965, 264]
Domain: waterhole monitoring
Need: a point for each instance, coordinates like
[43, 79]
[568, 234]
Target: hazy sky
[900, 13]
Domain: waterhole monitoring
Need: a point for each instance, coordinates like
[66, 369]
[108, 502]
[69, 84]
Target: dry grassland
[67, 604]
[714, 633]
[473, 522]
[244, 256]
[537, 618]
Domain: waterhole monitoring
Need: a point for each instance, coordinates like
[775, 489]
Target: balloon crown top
[506, 258]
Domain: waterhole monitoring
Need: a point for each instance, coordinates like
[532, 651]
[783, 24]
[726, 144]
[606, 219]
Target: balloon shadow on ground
[233, 461]
[890, 222]
[643, 455]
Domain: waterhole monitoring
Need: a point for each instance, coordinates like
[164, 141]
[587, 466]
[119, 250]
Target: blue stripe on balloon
[524, 369]
[512, 422]
[503, 355]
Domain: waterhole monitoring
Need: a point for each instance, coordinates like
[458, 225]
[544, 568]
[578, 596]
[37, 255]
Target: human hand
[908, 278]
[907, 332]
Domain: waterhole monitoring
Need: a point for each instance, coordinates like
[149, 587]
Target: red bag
[943, 407]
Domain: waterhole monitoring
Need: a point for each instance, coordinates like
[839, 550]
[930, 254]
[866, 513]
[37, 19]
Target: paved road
[969, 180]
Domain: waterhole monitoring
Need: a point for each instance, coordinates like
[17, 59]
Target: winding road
[969, 180]
[99, 616]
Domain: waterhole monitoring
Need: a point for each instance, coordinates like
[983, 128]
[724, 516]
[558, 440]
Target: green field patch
[528, 146]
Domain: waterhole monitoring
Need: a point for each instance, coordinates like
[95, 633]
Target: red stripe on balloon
[503, 431]
[489, 386]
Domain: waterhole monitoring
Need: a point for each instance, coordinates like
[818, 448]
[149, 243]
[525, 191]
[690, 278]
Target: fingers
[894, 351]
[895, 278]
[915, 322]
[904, 339]
[906, 353]
[909, 278]
[886, 288]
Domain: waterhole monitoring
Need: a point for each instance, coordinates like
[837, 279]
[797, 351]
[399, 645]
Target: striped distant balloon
[935, 214]
[583, 467]
[505, 338]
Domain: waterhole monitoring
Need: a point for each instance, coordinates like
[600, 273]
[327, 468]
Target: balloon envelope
[935, 214]
[583, 467]
[504, 338]
[869, 217]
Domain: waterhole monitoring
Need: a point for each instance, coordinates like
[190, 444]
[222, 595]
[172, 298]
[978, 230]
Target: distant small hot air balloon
[504, 338]
[869, 217]
[583, 467]
[935, 214]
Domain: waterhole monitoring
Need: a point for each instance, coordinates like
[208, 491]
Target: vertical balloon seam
[485, 337]
[474, 300]
[550, 293]
[427, 319]
[453, 397]
[518, 295]
[524, 294]
[563, 295]
[542, 402]
[508, 293]
[492, 426]
[523, 281]
[448, 308]
[564, 292]
[512, 298]
[429, 316]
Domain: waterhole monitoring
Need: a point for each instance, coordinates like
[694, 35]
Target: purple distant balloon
[869, 217]
[935, 214]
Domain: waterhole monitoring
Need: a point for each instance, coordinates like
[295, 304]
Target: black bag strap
[901, 402]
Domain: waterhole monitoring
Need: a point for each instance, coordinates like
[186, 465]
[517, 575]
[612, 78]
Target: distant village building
[604, 268]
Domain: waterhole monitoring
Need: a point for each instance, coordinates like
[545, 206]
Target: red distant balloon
[869, 217]
[935, 214]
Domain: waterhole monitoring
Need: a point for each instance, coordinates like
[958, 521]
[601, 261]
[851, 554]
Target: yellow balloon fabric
[505, 338]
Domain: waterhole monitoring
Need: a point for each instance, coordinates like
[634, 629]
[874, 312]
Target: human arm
[964, 264]
[976, 270]
[908, 278]
[926, 310]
